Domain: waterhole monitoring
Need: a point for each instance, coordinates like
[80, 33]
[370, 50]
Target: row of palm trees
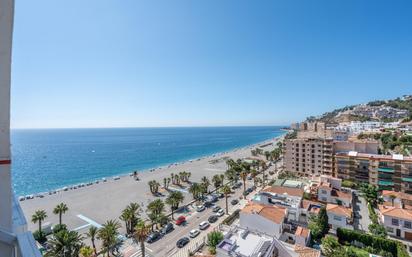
[175, 179]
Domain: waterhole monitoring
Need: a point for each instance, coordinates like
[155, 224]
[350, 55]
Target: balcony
[386, 170]
[20, 240]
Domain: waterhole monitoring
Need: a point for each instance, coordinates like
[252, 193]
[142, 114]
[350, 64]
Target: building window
[407, 224]
[389, 229]
[395, 222]
[323, 192]
[324, 199]
[337, 218]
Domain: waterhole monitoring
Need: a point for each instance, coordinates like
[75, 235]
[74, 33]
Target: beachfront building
[15, 240]
[267, 219]
[310, 153]
[339, 216]
[388, 172]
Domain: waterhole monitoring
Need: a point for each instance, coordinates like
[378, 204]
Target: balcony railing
[20, 239]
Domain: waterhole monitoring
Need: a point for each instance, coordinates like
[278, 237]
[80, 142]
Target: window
[323, 192]
[407, 224]
[324, 199]
[337, 218]
[395, 222]
[389, 229]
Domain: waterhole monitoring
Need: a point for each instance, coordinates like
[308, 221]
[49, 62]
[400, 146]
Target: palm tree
[230, 174]
[222, 178]
[243, 176]
[195, 189]
[217, 181]
[174, 199]
[188, 176]
[130, 216]
[226, 191]
[155, 208]
[92, 234]
[60, 209]
[392, 197]
[65, 243]
[38, 217]
[86, 251]
[142, 231]
[108, 234]
[205, 185]
[254, 174]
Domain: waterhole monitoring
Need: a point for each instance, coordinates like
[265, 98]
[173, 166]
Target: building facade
[385, 171]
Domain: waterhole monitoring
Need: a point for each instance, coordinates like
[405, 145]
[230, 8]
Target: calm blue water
[52, 158]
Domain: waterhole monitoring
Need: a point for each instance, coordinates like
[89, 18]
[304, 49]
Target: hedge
[229, 220]
[397, 248]
[372, 214]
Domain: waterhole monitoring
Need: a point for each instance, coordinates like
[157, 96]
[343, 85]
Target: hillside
[399, 109]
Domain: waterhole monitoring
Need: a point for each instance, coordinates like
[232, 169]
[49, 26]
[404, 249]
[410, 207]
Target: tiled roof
[301, 231]
[339, 210]
[274, 213]
[281, 190]
[340, 194]
[400, 195]
[304, 251]
[396, 212]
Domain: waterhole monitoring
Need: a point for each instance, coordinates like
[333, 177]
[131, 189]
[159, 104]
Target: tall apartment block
[385, 171]
[311, 153]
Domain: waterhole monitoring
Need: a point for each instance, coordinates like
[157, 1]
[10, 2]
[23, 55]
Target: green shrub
[40, 236]
[229, 220]
[59, 228]
[377, 243]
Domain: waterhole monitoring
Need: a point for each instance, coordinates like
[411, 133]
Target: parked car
[194, 233]
[208, 204]
[234, 202]
[220, 195]
[216, 208]
[212, 219]
[182, 242]
[220, 213]
[153, 237]
[204, 225]
[167, 228]
[200, 208]
[180, 220]
[245, 193]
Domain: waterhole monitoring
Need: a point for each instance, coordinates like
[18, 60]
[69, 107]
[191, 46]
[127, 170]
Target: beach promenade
[93, 205]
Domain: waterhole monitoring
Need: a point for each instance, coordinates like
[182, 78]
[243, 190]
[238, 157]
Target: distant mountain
[399, 109]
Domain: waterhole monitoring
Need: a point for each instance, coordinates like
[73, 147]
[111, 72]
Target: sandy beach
[97, 203]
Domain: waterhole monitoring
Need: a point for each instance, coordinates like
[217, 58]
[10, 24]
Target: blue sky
[101, 63]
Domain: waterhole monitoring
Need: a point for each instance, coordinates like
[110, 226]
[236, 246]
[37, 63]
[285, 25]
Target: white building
[282, 196]
[15, 240]
[339, 216]
[330, 191]
[397, 221]
[263, 218]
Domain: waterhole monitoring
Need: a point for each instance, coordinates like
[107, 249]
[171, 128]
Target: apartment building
[310, 154]
[388, 172]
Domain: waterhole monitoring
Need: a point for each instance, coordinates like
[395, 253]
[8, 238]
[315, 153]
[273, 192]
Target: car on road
[200, 208]
[213, 219]
[167, 228]
[153, 237]
[216, 208]
[245, 193]
[204, 225]
[220, 213]
[182, 242]
[194, 233]
[181, 220]
[208, 204]
[220, 195]
[234, 202]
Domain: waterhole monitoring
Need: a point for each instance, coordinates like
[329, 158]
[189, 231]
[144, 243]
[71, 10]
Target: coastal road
[167, 244]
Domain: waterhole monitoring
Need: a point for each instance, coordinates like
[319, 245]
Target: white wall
[6, 31]
[387, 222]
[255, 222]
[336, 223]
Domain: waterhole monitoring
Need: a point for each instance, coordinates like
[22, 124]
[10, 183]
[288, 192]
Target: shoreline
[105, 200]
[96, 181]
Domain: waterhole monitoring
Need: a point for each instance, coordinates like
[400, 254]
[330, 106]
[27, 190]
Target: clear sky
[122, 63]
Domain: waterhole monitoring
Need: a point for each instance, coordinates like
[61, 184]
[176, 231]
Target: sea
[48, 159]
